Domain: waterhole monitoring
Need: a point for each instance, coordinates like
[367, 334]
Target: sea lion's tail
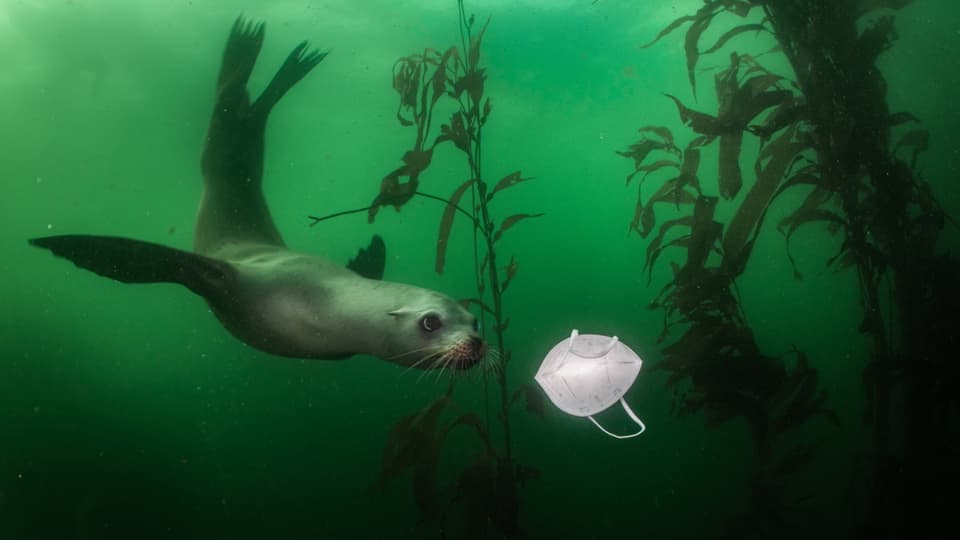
[134, 261]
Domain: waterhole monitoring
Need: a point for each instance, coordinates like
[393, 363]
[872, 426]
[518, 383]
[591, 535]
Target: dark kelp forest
[821, 129]
[824, 129]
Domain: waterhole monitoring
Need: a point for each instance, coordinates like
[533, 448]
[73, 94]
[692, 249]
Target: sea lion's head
[435, 332]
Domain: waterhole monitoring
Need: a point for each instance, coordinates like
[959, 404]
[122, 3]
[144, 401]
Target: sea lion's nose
[478, 346]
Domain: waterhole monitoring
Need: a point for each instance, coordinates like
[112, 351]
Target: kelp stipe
[828, 128]
[486, 490]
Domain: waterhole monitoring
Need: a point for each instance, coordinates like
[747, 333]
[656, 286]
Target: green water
[129, 412]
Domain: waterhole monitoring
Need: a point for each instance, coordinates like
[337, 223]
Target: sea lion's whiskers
[493, 356]
[446, 358]
[437, 361]
[420, 363]
[492, 362]
[411, 351]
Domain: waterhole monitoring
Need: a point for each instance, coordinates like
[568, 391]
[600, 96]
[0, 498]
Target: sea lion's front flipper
[134, 261]
[371, 261]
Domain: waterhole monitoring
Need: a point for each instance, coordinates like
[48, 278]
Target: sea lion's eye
[476, 325]
[431, 323]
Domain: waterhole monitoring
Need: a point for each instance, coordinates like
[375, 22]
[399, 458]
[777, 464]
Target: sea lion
[275, 299]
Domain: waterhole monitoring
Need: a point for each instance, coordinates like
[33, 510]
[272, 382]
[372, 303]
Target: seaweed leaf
[691, 164]
[746, 221]
[412, 440]
[639, 150]
[481, 287]
[472, 420]
[730, 178]
[403, 121]
[446, 222]
[819, 195]
[789, 111]
[456, 131]
[467, 302]
[677, 23]
[640, 221]
[866, 6]
[896, 119]
[690, 44]
[702, 123]
[474, 55]
[671, 191]
[732, 33]
[406, 82]
[844, 258]
[509, 180]
[919, 139]
[809, 212]
[393, 192]
[472, 82]
[656, 246]
[660, 131]
[416, 161]
[511, 271]
[511, 221]
[753, 102]
[532, 398]
[652, 167]
[741, 8]
[439, 78]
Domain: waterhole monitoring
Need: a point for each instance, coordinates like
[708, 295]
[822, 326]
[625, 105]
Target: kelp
[890, 225]
[483, 496]
[700, 22]
[446, 223]
[486, 486]
[824, 129]
[714, 362]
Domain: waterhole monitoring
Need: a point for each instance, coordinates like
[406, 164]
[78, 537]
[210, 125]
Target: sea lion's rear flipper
[233, 209]
[240, 55]
[133, 261]
[298, 63]
[370, 261]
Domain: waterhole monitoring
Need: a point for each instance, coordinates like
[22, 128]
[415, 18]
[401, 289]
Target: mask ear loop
[632, 416]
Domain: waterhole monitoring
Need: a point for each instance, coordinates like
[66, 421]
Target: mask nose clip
[585, 374]
[588, 353]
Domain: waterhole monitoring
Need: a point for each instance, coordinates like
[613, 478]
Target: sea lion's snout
[478, 346]
[470, 352]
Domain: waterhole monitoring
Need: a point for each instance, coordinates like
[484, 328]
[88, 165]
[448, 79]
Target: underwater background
[129, 412]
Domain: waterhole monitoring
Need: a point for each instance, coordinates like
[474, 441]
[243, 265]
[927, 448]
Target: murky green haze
[129, 412]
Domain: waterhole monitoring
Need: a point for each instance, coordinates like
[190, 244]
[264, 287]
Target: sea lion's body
[275, 299]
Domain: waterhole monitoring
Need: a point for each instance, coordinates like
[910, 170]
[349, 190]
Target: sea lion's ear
[399, 312]
[371, 261]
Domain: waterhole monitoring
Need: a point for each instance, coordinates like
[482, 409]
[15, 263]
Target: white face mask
[586, 374]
